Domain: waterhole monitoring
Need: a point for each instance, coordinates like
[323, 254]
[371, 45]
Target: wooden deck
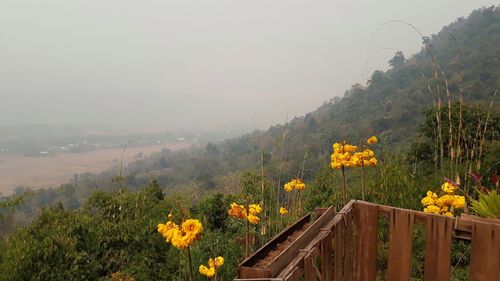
[343, 247]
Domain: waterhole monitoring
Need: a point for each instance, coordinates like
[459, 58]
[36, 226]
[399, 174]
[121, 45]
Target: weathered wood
[246, 267]
[309, 273]
[348, 246]
[284, 258]
[326, 258]
[485, 253]
[338, 271]
[462, 228]
[437, 248]
[338, 226]
[315, 254]
[400, 245]
[296, 263]
[294, 275]
[248, 272]
[366, 221]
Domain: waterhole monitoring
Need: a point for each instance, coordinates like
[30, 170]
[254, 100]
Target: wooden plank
[437, 248]
[248, 272]
[366, 221]
[348, 247]
[284, 258]
[315, 254]
[326, 258]
[294, 275]
[309, 273]
[245, 268]
[485, 253]
[338, 227]
[338, 271]
[400, 245]
[297, 262]
[462, 228]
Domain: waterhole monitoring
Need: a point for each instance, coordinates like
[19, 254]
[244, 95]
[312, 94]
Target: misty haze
[219, 140]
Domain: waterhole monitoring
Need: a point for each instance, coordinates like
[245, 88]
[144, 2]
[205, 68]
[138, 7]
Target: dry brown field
[51, 171]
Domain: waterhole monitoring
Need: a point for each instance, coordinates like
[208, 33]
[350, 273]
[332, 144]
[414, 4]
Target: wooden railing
[344, 248]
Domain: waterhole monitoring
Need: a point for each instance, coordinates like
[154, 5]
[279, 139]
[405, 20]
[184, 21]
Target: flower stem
[344, 186]
[247, 239]
[362, 181]
[190, 271]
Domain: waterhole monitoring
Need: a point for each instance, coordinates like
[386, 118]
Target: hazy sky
[196, 63]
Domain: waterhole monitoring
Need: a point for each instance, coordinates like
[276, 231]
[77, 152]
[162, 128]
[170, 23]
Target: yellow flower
[372, 140]
[237, 211]
[167, 230]
[283, 211]
[218, 262]
[428, 200]
[192, 226]
[432, 209]
[207, 271]
[297, 184]
[300, 186]
[445, 200]
[254, 209]
[373, 162]
[213, 265]
[350, 148]
[170, 216]
[432, 195]
[181, 237]
[458, 202]
[449, 214]
[253, 219]
[181, 241]
[368, 153]
[448, 187]
[336, 165]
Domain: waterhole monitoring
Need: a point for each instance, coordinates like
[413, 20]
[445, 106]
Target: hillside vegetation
[104, 227]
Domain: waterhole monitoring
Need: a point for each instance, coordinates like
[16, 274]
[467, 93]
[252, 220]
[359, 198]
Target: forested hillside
[391, 105]
[464, 56]
[111, 226]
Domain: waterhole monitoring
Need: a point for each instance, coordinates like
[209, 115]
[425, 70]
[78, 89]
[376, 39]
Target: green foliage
[320, 193]
[11, 203]
[115, 228]
[113, 232]
[471, 119]
[215, 210]
[487, 205]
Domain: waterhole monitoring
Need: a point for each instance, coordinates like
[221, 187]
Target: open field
[37, 172]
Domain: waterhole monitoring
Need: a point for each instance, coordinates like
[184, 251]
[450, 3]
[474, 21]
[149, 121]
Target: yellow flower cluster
[364, 158]
[448, 188]
[283, 210]
[183, 236]
[240, 211]
[444, 204]
[346, 155]
[372, 140]
[294, 184]
[211, 269]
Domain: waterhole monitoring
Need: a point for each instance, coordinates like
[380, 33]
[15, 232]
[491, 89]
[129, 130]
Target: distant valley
[54, 170]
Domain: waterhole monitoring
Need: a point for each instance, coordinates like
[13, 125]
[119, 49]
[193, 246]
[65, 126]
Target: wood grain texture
[400, 245]
[366, 221]
[437, 248]
[485, 253]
